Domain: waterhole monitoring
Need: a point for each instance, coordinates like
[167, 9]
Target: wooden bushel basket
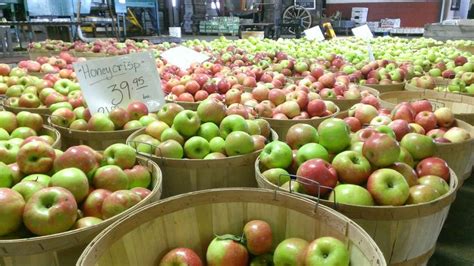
[345, 104]
[192, 220]
[188, 175]
[98, 140]
[46, 130]
[387, 88]
[281, 126]
[407, 234]
[186, 105]
[64, 249]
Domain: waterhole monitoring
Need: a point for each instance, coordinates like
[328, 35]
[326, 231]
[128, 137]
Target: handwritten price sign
[108, 83]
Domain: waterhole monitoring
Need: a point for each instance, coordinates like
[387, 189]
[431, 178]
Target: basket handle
[306, 181]
[134, 144]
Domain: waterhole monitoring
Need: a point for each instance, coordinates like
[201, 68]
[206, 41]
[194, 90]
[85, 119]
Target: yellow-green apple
[301, 134]
[386, 130]
[198, 147]
[81, 157]
[40, 178]
[433, 166]
[363, 112]
[400, 128]
[264, 125]
[422, 194]
[8, 151]
[4, 134]
[156, 128]
[290, 251]
[28, 188]
[226, 250]
[31, 120]
[380, 120]
[171, 133]
[8, 121]
[181, 256]
[407, 171]
[133, 124]
[92, 205]
[214, 155]
[208, 130]
[35, 157]
[352, 167]
[404, 111]
[258, 236]
[444, 117]
[140, 191]
[138, 176]
[170, 149]
[72, 179]
[110, 177]
[187, 123]
[351, 194]
[334, 135]
[63, 86]
[86, 222]
[6, 176]
[119, 116]
[136, 110]
[217, 144]
[419, 146]
[381, 150]
[316, 173]
[118, 202]
[11, 210]
[454, 134]
[238, 143]
[311, 151]
[415, 128]
[49, 211]
[290, 109]
[101, 122]
[147, 119]
[327, 251]
[15, 91]
[253, 127]
[276, 176]
[63, 117]
[388, 187]
[232, 123]
[436, 182]
[121, 155]
[276, 154]
[29, 100]
[22, 133]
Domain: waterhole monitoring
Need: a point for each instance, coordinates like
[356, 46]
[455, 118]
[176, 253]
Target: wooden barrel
[47, 130]
[98, 140]
[281, 126]
[192, 220]
[407, 234]
[461, 105]
[345, 104]
[188, 175]
[186, 105]
[64, 249]
[388, 87]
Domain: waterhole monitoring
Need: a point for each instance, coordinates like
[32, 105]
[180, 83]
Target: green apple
[208, 131]
[351, 194]
[8, 151]
[352, 167]
[311, 151]
[22, 133]
[388, 187]
[436, 182]
[238, 143]
[146, 120]
[334, 135]
[419, 146]
[232, 123]
[101, 122]
[327, 251]
[40, 178]
[6, 176]
[196, 147]
[253, 127]
[73, 180]
[290, 251]
[386, 130]
[277, 176]
[11, 211]
[55, 106]
[300, 134]
[217, 144]
[121, 155]
[171, 133]
[28, 188]
[4, 134]
[138, 176]
[421, 194]
[170, 149]
[187, 123]
[110, 177]
[276, 154]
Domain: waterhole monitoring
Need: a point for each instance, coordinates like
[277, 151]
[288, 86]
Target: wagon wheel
[297, 13]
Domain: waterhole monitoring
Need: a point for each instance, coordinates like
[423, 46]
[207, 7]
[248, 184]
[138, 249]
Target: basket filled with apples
[53, 203]
[99, 130]
[203, 149]
[371, 177]
[385, 76]
[259, 227]
[16, 129]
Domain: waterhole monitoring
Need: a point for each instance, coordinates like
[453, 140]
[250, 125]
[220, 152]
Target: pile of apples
[133, 117]
[254, 247]
[47, 191]
[208, 133]
[61, 64]
[406, 117]
[17, 129]
[367, 167]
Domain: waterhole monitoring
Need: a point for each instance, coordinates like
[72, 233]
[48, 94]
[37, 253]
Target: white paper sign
[314, 33]
[183, 57]
[108, 83]
[363, 32]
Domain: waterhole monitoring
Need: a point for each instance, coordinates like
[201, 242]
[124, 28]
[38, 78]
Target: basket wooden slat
[47, 130]
[188, 175]
[406, 235]
[186, 105]
[192, 220]
[387, 88]
[64, 249]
